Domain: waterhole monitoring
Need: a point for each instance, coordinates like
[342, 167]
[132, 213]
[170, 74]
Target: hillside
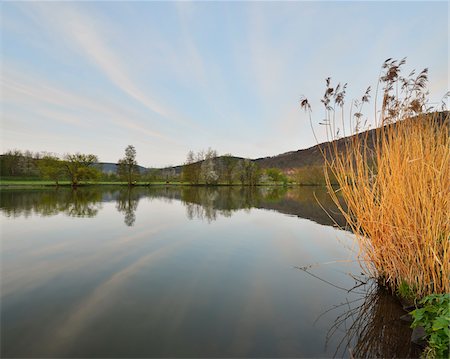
[312, 156]
[108, 167]
[309, 157]
[293, 159]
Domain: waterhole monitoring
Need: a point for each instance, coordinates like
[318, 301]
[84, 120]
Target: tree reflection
[210, 202]
[84, 203]
[74, 203]
[204, 203]
[127, 203]
[311, 203]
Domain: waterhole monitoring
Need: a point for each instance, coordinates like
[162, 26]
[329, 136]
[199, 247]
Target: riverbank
[47, 184]
[43, 183]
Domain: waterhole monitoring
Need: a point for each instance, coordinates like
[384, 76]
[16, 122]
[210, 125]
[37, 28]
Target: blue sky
[168, 77]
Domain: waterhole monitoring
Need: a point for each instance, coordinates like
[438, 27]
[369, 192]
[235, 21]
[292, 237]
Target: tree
[228, 165]
[51, 167]
[10, 163]
[128, 168]
[188, 174]
[27, 164]
[17, 163]
[80, 167]
[208, 173]
[152, 175]
[196, 167]
[201, 167]
[276, 175]
[248, 172]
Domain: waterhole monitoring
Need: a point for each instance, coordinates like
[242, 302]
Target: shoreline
[46, 184]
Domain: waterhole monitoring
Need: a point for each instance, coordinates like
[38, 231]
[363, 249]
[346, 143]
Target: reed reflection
[372, 327]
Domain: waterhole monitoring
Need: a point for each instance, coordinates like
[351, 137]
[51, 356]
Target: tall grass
[395, 183]
[397, 198]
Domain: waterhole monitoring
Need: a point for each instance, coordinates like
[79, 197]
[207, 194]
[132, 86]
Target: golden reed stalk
[393, 182]
[396, 189]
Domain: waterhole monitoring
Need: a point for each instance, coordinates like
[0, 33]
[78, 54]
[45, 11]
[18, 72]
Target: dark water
[186, 272]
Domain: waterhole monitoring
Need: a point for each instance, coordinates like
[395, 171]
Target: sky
[169, 77]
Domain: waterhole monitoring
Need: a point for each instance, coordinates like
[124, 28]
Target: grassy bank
[12, 183]
[44, 183]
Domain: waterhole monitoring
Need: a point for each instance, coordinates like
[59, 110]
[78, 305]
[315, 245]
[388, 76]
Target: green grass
[46, 183]
[31, 183]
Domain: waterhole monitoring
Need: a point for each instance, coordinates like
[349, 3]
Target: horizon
[173, 77]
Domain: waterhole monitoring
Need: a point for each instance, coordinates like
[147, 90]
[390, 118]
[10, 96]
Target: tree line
[204, 167]
[75, 167]
[43, 165]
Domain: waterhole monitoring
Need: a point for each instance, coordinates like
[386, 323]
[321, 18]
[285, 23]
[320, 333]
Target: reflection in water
[168, 284]
[205, 203]
[74, 203]
[210, 202]
[127, 202]
[82, 203]
[367, 325]
[372, 327]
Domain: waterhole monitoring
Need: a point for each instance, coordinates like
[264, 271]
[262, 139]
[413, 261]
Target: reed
[394, 181]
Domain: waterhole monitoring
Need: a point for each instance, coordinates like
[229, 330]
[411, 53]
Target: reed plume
[393, 183]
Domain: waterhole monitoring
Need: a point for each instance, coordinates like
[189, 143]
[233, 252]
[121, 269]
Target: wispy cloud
[24, 89]
[266, 60]
[100, 298]
[193, 57]
[90, 36]
[193, 75]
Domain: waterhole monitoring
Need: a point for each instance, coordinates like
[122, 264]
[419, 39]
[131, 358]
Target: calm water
[185, 272]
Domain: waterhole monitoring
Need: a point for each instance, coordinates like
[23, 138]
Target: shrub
[434, 317]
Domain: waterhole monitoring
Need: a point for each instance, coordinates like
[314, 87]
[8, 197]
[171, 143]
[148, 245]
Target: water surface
[186, 272]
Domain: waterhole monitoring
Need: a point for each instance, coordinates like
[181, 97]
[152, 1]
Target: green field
[12, 183]
[45, 183]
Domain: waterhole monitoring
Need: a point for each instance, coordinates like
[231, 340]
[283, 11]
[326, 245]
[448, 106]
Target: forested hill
[24, 163]
[308, 157]
[293, 159]
[312, 156]
[109, 167]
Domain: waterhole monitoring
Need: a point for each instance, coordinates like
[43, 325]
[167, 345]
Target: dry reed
[395, 181]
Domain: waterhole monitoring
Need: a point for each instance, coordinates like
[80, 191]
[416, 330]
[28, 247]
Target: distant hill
[108, 167]
[284, 161]
[311, 156]
[293, 159]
